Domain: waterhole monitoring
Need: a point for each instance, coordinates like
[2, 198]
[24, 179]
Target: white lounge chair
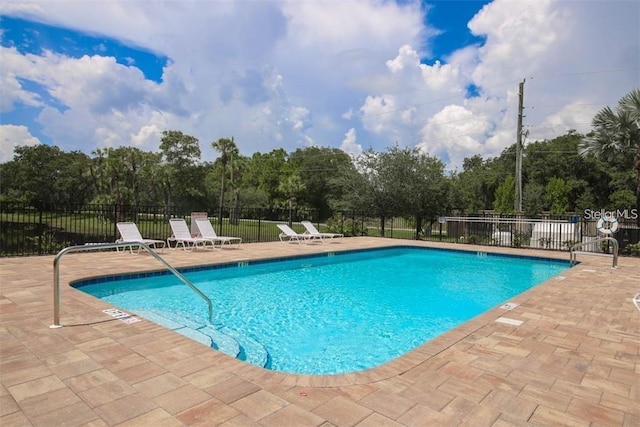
[129, 233]
[182, 236]
[313, 231]
[207, 231]
[288, 235]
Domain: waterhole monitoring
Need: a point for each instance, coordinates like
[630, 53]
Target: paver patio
[574, 360]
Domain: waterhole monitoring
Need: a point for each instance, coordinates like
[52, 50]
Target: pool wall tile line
[245, 263]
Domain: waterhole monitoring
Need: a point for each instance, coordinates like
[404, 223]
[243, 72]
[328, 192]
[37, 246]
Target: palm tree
[227, 149]
[616, 134]
[631, 103]
[238, 166]
[291, 186]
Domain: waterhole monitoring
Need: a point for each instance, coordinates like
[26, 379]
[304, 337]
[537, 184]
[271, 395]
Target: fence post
[259, 224]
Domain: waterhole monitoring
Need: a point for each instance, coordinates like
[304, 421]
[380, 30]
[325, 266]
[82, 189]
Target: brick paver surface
[573, 360]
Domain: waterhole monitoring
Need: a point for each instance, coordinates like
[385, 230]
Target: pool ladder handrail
[572, 253]
[98, 246]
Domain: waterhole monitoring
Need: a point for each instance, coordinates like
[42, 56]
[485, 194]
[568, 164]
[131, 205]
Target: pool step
[202, 333]
[253, 351]
[224, 339]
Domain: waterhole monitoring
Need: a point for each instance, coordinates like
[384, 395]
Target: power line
[457, 121]
[462, 95]
[568, 106]
[582, 73]
[543, 124]
[540, 76]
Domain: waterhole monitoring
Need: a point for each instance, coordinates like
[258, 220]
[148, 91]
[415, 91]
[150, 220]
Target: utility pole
[519, 150]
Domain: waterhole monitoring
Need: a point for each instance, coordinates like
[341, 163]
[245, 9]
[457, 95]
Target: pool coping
[393, 367]
[574, 357]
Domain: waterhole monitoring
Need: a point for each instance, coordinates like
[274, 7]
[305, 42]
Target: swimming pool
[329, 313]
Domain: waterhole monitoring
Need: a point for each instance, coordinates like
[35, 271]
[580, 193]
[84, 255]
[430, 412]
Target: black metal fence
[549, 232]
[45, 230]
[29, 230]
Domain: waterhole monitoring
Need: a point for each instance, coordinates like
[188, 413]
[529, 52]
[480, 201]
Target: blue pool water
[329, 314]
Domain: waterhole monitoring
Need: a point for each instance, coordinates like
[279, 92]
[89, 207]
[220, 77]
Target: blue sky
[442, 75]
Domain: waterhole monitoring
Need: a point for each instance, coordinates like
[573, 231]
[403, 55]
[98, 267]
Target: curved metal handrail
[572, 254]
[97, 246]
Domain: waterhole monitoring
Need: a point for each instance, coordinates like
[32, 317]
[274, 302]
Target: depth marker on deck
[509, 305]
[121, 315]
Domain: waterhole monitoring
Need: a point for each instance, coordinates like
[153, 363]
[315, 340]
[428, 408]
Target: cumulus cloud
[378, 113]
[270, 74]
[565, 52]
[408, 67]
[518, 34]
[576, 115]
[16, 67]
[13, 136]
[288, 73]
[453, 133]
[349, 144]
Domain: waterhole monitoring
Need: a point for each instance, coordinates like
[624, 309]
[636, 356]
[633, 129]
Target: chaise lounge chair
[129, 233]
[207, 231]
[313, 231]
[288, 235]
[182, 236]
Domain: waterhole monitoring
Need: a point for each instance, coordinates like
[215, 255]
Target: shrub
[632, 249]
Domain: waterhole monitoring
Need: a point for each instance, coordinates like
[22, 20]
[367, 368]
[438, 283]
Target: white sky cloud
[556, 46]
[13, 136]
[294, 73]
[454, 132]
[349, 144]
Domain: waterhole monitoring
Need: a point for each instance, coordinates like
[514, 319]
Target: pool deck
[573, 360]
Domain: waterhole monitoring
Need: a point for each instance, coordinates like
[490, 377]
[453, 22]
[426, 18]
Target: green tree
[264, 173]
[472, 185]
[399, 182]
[73, 186]
[557, 195]
[238, 167]
[621, 198]
[480, 178]
[383, 177]
[153, 178]
[227, 149]
[429, 190]
[533, 198]
[505, 195]
[9, 186]
[37, 170]
[119, 176]
[292, 186]
[586, 200]
[559, 158]
[247, 184]
[180, 176]
[323, 172]
[616, 135]
[43, 174]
